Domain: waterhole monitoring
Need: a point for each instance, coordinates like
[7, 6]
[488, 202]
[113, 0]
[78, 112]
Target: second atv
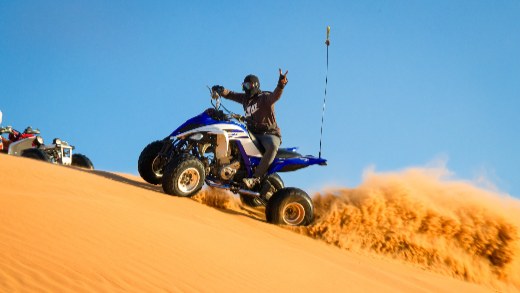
[30, 144]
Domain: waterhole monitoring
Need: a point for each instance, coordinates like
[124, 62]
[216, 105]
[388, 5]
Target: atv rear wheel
[82, 161]
[149, 165]
[183, 177]
[274, 180]
[290, 206]
[36, 154]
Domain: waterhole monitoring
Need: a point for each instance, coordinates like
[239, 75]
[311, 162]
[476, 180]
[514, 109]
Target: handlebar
[215, 95]
[28, 130]
[7, 129]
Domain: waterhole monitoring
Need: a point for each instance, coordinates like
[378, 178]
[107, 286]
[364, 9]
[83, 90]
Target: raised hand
[282, 80]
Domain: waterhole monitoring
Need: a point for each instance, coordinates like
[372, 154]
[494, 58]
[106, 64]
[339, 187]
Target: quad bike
[30, 145]
[217, 149]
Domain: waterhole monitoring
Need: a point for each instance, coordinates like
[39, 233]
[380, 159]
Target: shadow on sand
[123, 179]
[244, 211]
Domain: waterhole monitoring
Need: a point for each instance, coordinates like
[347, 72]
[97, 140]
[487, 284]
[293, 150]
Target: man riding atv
[260, 118]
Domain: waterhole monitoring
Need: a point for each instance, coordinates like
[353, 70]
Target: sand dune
[68, 230]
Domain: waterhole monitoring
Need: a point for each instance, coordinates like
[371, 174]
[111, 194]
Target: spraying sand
[445, 226]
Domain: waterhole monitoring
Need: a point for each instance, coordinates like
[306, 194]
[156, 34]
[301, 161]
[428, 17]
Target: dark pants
[270, 143]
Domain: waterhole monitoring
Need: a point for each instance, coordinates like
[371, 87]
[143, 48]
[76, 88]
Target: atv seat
[283, 153]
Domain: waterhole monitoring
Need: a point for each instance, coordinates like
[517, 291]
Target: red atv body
[15, 135]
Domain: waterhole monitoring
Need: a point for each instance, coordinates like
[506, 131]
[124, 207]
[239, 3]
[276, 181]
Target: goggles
[249, 85]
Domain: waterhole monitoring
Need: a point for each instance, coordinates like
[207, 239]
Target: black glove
[218, 89]
[282, 80]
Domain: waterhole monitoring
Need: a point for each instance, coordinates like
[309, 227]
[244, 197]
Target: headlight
[56, 141]
[38, 141]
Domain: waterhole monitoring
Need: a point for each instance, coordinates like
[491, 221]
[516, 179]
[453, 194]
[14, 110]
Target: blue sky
[410, 82]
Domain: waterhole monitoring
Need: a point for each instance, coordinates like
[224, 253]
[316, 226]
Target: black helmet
[251, 85]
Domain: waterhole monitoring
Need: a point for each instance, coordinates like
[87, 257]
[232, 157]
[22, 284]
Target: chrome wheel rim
[156, 167]
[188, 180]
[293, 214]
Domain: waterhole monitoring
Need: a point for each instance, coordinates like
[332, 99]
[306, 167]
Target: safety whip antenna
[327, 43]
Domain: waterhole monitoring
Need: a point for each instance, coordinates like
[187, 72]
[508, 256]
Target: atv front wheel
[36, 154]
[82, 161]
[273, 182]
[150, 166]
[183, 177]
[290, 206]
